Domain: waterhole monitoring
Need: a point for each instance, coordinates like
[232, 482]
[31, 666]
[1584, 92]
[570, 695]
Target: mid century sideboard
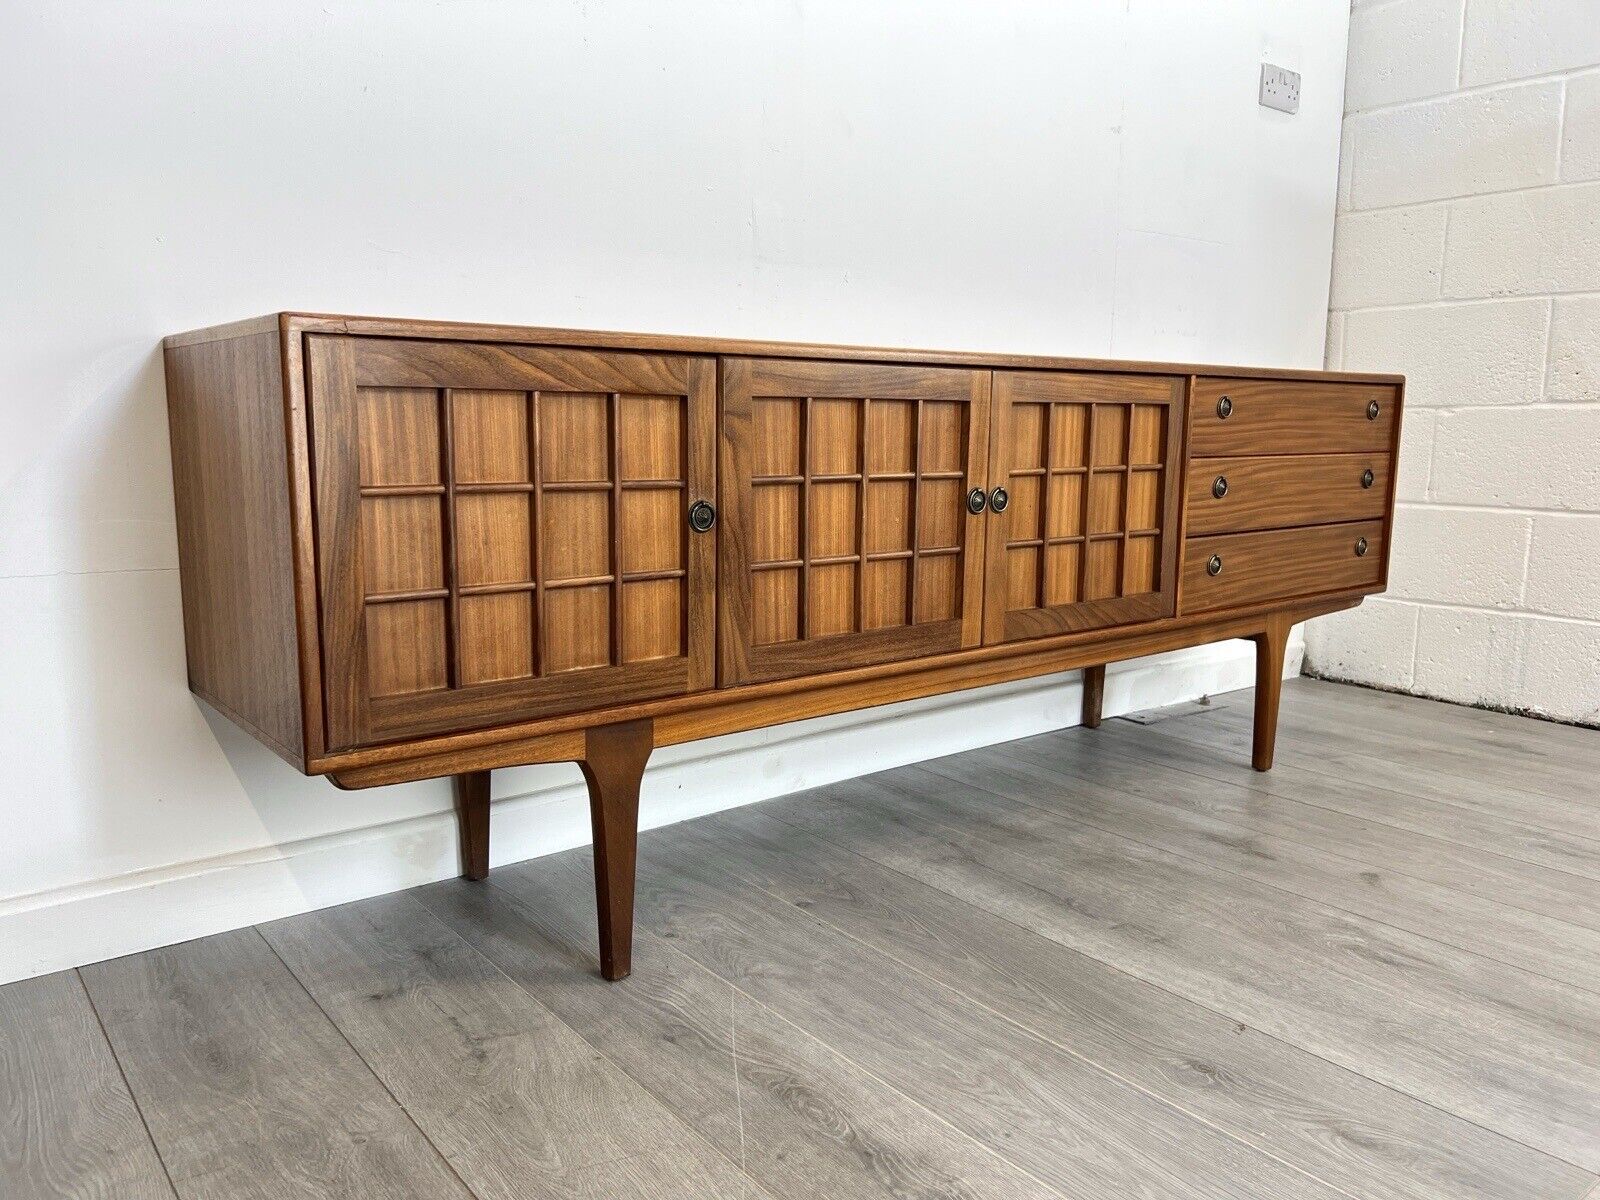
[414, 549]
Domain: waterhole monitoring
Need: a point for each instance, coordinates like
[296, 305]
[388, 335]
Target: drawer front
[1236, 569]
[1264, 416]
[1231, 495]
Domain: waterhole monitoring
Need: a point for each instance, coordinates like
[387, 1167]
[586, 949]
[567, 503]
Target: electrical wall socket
[1280, 88]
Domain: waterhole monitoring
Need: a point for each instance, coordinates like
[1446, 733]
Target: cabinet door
[847, 539]
[501, 531]
[1089, 537]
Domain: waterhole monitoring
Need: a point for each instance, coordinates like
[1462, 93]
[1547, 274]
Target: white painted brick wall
[1467, 254]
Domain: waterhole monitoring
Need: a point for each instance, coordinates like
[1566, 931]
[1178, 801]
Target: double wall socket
[1280, 88]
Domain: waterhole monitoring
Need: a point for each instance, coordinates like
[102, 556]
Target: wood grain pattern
[1280, 562]
[1092, 464]
[1496, 1046]
[805, 1120]
[1271, 644]
[297, 323]
[68, 1126]
[523, 544]
[845, 539]
[230, 478]
[514, 1099]
[1278, 417]
[248, 1089]
[1285, 490]
[1280, 1099]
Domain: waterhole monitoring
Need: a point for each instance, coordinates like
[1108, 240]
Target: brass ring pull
[1367, 477]
[1361, 547]
[1219, 489]
[1214, 567]
[1372, 411]
[998, 499]
[1224, 408]
[976, 501]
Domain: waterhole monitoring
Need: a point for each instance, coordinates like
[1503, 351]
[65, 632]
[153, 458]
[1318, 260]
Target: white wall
[943, 174]
[1468, 256]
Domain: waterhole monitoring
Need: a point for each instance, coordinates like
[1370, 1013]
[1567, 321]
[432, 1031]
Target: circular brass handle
[1361, 547]
[976, 501]
[1372, 411]
[1367, 477]
[1224, 408]
[998, 499]
[1214, 567]
[1219, 489]
[702, 516]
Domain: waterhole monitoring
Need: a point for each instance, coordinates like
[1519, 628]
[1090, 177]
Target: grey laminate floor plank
[1524, 754]
[1374, 709]
[1514, 1052]
[1319, 744]
[1063, 1120]
[68, 1125]
[247, 1088]
[1360, 1136]
[517, 1102]
[1311, 774]
[797, 1115]
[1381, 872]
[1488, 821]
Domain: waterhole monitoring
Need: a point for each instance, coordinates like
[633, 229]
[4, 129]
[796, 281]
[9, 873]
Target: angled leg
[472, 815]
[1094, 693]
[614, 758]
[1270, 645]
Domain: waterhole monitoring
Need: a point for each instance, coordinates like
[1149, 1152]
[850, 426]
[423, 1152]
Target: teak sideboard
[414, 549]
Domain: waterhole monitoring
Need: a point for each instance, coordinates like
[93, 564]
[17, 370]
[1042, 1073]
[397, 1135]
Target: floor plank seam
[733, 987]
[1144, 754]
[122, 1073]
[556, 1018]
[1156, 848]
[1131, 1085]
[362, 1059]
[1198, 1004]
[733, 1054]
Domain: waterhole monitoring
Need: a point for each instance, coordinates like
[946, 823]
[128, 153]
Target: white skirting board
[541, 810]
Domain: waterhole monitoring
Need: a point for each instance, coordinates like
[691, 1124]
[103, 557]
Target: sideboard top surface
[294, 323]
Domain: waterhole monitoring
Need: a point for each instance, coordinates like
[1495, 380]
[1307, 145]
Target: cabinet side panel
[235, 533]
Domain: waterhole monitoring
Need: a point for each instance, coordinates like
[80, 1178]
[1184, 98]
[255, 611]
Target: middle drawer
[1232, 495]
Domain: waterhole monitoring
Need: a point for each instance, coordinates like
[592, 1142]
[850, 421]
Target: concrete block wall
[1467, 254]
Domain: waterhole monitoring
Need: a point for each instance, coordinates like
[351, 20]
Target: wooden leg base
[614, 759]
[1094, 694]
[1270, 645]
[472, 816]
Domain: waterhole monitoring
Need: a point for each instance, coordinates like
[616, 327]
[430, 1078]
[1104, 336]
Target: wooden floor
[1090, 964]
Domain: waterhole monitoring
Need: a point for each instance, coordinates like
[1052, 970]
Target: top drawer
[1265, 416]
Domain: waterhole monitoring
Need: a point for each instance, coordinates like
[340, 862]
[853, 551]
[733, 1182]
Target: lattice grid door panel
[1089, 536]
[848, 538]
[524, 549]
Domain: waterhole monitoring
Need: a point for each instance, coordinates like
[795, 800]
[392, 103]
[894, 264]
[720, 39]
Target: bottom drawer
[1242, 568]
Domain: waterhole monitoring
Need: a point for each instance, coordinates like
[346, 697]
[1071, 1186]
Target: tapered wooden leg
[614, 758]
[472, 815]
[1094, 694]
[1270, 645]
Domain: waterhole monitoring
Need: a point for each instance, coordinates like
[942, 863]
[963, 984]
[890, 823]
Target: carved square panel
[1105, 502]
[1063, 565]
[1027, 436]
[1104, 570]
[579, 628]
[941, 513]
[492, 536]
[652, 437]
[775, 437]
[1144, 500]
[775, 523]
[775, 606]
[1022, 577]
[576, 535]
[399, 436]
[938, 588]
[1066, 506]
[884, 601]
[652, 619]
[1068, 435]
[888, 515]
[1139, 568]
[832, 599]
[490, 435]
[944, 436]
[406, 650]
[835, 437]
[574, 437]
[832, 524]
[1149, 434]
[496, 637]
[891, 437]
[1110, 434]
[402, 543]
[653, 528]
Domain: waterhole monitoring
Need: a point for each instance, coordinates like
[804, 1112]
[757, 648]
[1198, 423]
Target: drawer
[1265, 416]
[1251, 567]
[1230, 495]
